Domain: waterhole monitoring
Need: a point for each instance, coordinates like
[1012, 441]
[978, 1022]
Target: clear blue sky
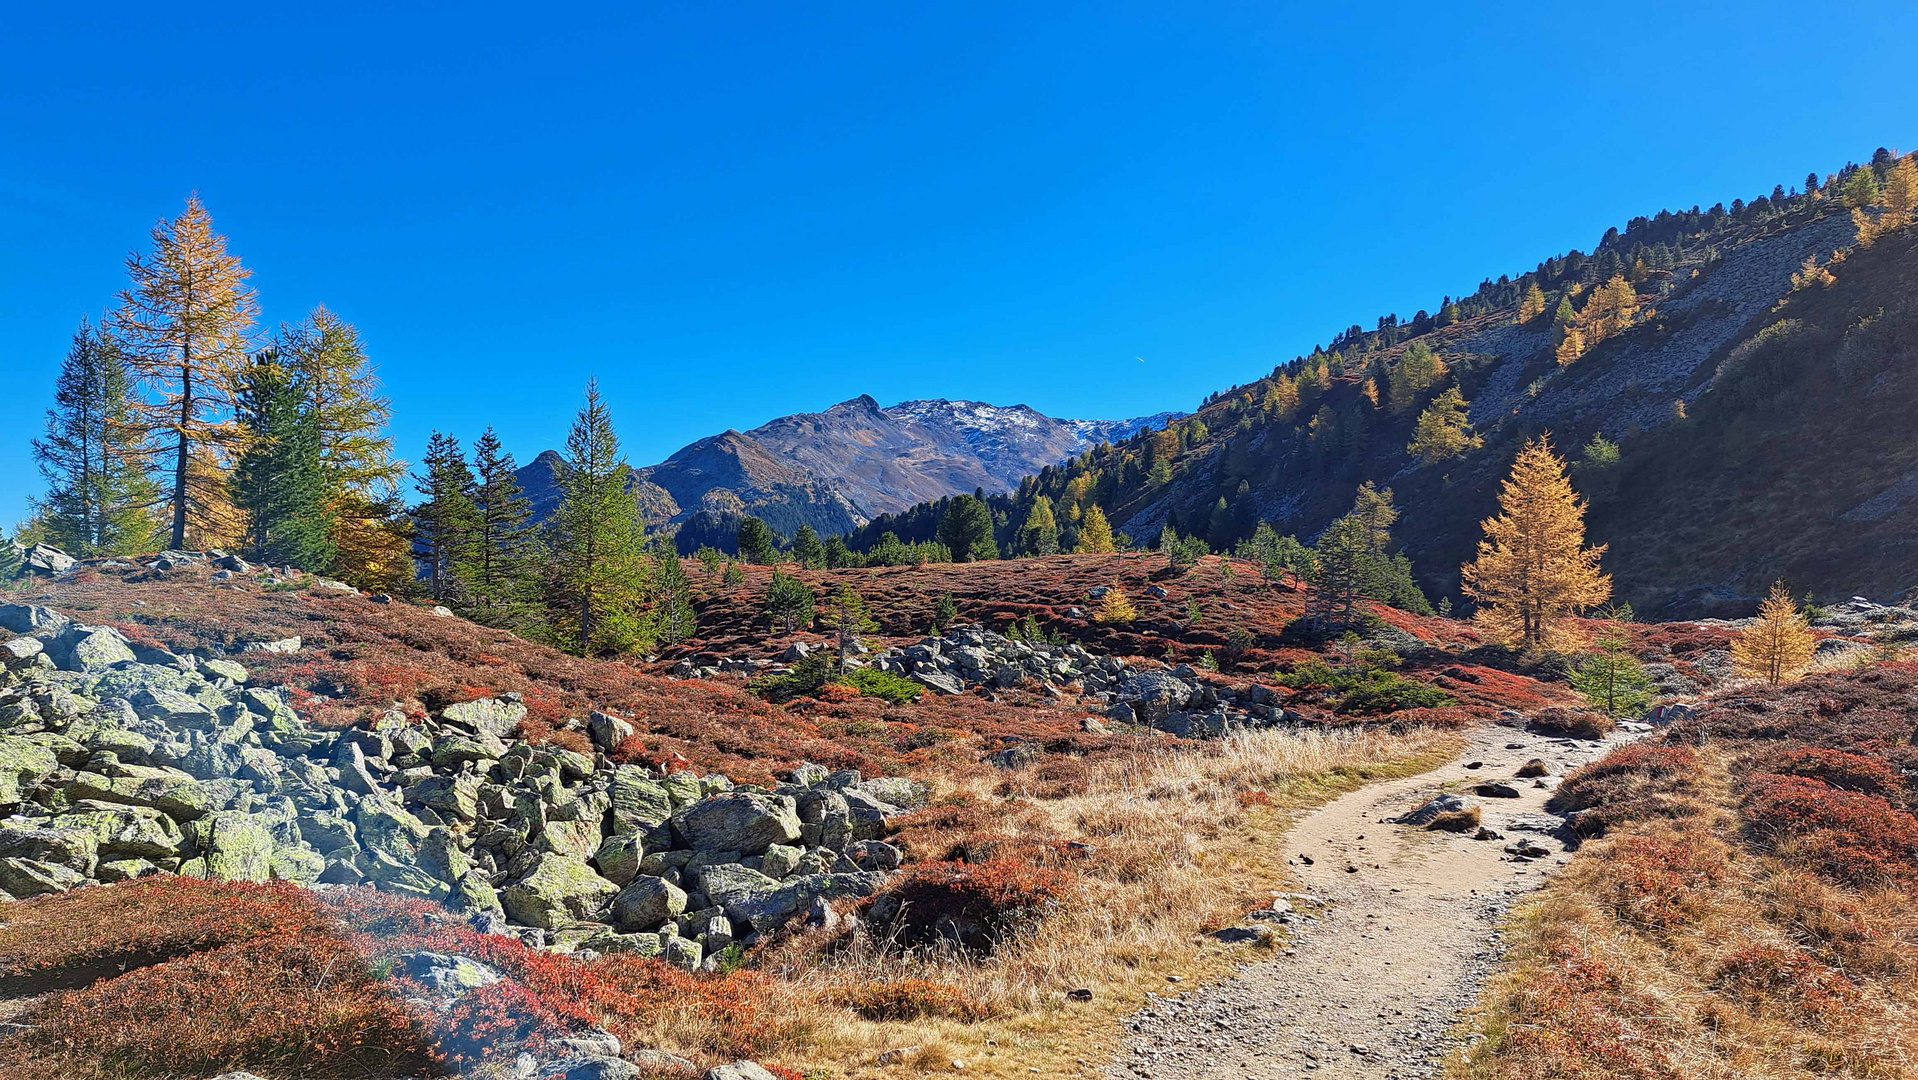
[732, 211]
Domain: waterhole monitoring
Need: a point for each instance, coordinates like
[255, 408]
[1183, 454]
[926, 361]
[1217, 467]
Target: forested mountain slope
[1750, 371]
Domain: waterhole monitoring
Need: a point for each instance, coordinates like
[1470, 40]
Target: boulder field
[121, 761]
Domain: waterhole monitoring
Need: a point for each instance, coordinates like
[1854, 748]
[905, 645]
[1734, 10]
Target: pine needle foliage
[278, 485]
[99, 500]
[1612, 679]
[598, 587]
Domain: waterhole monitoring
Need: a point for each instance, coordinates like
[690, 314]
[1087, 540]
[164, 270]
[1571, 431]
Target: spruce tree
[1533, 567]
[185, 323]
[966, 529]
[499, 571]
[807, 551]
[277, 485]
[673, 617]
[446, 522]
[1040, 533]
[756, 542]
[99, 500]
[599, 568]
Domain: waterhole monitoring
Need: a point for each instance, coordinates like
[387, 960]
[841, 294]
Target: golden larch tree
[1532, 304]
[1095, 533]
[349, 416]
[1115, 609]
[1533, 568]
[1444, 429]
[1779, 646]
[186, 322]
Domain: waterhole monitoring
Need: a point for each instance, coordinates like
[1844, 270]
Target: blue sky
[729, 212]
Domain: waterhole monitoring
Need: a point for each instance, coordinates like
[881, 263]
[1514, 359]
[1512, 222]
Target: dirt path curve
[1375, 980]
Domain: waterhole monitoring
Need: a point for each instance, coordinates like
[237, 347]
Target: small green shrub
[896, 689]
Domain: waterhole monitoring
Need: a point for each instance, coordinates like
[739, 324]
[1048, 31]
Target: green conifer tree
[446, 521]
[673, 617]
[807, 551]
[598, 580]
[277, 485]
[966, 529]
[99, 500]
[789, 602]
[1612, 678]
[756, 542]
[499, 571]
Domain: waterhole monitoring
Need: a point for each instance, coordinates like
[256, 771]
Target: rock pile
[120, 761]
[1177, 700]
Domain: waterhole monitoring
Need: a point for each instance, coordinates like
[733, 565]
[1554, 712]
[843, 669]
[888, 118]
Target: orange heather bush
[1857, 838]
[82, 934]
[1762, 975]
[1659, 882]
[1847, 772]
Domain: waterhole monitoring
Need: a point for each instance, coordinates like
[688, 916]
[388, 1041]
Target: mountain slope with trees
[1727, 382]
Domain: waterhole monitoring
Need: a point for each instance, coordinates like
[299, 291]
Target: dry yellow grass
[1179, 852]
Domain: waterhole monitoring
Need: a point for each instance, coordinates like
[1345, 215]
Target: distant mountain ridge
[838, 468]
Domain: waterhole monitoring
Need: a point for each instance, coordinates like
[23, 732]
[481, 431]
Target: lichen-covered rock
[618, 858]
[499, 716]
[24, 764]
[559, 889]
[233, 846]
[24, 878]
[639, 802]
[176, 795]
[646, 902]
[746, 822]
[125, 832]
[90, 648]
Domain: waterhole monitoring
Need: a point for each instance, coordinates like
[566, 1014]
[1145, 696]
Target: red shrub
[1642, 780]
[1857, 838]
[1657, 882]
[1579, 1020]
[969, 905]
[1847, 772]
[1761, 973]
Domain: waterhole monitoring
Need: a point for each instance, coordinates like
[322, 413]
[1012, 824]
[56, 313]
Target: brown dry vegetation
[1100, 865]
[1748, 910]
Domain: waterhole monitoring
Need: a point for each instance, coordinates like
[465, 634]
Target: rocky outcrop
[121, 762]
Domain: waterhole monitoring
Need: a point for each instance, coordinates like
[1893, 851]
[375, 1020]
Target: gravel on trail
[1398, 934]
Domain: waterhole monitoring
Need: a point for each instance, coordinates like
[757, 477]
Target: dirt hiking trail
[1377, 976]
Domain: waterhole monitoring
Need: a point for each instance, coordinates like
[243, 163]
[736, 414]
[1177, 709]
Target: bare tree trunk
[179, 466]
